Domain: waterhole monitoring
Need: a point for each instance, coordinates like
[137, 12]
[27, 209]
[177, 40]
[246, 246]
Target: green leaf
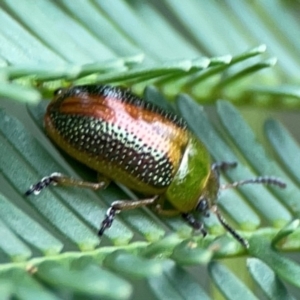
[12, 246]
[32, 232]
[88, 279]
[176, 283]
[285, 232]
[285, 146]
[230, 286]
[189, 253]
[21, 93]
[283, 267]
[245, 141]
[131, 265]
[24, 286]
[205, 49]
[271, 285]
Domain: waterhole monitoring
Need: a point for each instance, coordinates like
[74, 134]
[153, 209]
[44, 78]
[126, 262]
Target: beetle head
[208, 203]
[207, 200]
[209, 195]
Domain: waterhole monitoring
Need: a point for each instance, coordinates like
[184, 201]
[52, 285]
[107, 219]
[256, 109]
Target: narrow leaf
[285, 231]
[246, 141]
[30, 230]
[189, 253]
[18, 92]
[25, 286]
[176, 283]
[12, 245]
[285, 146]
[89, 280]
[230, 286]
[270, 284]
[131, 265]
[283, 267]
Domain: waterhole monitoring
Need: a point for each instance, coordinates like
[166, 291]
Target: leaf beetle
[134, 142]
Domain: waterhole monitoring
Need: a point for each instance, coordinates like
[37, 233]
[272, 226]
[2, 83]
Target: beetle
[129, 140]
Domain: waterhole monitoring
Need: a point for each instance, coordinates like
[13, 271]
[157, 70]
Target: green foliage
[188, 50]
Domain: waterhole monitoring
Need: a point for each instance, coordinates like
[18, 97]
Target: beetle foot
[43, 183]
[194, 223]
[107, 222]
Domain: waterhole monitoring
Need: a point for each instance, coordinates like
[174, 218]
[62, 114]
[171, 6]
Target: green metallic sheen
[191, 179]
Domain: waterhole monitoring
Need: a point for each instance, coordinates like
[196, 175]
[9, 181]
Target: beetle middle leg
[117, 206]
[63, 180]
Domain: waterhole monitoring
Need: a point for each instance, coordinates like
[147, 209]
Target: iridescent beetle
[138, 144]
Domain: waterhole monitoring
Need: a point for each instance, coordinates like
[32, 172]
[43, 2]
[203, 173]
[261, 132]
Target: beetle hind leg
[63, 180]
[117, 206]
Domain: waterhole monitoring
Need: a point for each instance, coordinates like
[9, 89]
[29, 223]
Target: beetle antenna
[223, 166]
[224, 223]
[259, 180]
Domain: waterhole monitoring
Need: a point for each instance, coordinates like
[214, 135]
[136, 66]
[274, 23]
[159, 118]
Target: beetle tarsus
[189, 218]
[43, 183]
[107, 222]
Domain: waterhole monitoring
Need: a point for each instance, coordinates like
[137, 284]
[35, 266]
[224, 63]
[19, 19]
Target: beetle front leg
[60, 179]
[117, 206]
[189, 218]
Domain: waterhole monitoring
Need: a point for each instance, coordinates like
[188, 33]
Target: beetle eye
[202, 205]
[58, 92]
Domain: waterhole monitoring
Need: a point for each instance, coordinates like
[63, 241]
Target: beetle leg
[117, 206]
[158, 208]
[189, 218]
[107, 222]
[239, 238]
[166, 212]
[60, 179]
